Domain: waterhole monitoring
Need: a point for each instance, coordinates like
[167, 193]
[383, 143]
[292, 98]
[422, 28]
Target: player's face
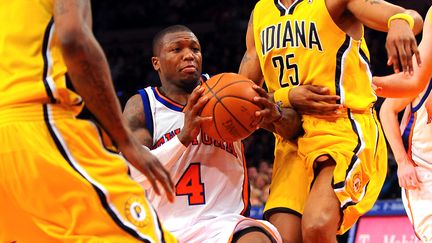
[180, 58]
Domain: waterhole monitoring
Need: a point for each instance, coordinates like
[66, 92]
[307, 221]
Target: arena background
[125, 30]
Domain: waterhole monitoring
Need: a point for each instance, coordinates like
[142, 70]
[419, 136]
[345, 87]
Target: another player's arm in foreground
[389, 119]
[90, 76]
[401, 44]
[400, 85]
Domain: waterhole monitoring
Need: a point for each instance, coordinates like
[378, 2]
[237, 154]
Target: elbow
[71, 40]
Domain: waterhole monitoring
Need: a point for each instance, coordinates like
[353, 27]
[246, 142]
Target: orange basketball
[231, 106]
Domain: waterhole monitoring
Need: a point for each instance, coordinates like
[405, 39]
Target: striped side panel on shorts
[100, 190]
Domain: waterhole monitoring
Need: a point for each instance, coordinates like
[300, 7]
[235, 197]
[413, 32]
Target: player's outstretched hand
[193, 120]
[269, 111]
[401, 45]
[314, 100]
[407, 175]
[148, 165]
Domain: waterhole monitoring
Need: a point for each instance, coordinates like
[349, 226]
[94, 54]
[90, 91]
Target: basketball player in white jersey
[212, 189]
[412, 148]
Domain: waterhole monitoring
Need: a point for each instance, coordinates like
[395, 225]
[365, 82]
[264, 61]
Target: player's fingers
[402, 57]
[260, 91]
[206, 119]
[262, 102]
[409, 53]
[164, 178]
[393, 57]
[199, 106]
[321, 90]
[152, 179]
[416, 52]
[195, 95]
[325, 98]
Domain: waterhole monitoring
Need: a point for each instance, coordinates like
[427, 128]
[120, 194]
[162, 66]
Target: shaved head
[161, 34]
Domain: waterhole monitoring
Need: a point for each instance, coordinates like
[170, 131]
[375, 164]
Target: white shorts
[221, 229]
[418, 204]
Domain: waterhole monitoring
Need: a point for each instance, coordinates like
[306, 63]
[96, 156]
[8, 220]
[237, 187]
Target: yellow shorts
[356, 142]
[289, 186]
[59, 184]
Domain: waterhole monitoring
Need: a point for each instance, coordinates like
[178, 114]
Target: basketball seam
[218, 100]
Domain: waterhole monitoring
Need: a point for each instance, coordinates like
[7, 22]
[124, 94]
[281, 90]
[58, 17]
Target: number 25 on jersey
[190, 185]
[286, 68]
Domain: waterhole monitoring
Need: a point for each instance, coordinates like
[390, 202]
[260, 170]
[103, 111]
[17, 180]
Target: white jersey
[212, 188]
[417, 134]
[417, 138]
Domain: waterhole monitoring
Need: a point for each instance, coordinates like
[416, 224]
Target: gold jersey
[302, 45]
[32, 69]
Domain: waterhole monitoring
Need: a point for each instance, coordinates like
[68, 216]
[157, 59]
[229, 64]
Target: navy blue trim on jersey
[280, 7]
[354, 158]
[339, 57]
[102, 197]
[407, 131]
[147, 111]
[423, 99]
[363, 55]
[165, 102]
[293, 6]
[45, 47]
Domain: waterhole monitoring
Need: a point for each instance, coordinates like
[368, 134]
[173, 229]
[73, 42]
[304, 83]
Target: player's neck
[287, 3]
[178, 95]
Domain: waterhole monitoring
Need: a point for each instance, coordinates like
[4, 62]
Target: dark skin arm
[90, 76]
[275, 120]
[401, 45]
[134, 115]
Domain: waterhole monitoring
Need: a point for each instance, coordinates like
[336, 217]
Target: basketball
[231, 106]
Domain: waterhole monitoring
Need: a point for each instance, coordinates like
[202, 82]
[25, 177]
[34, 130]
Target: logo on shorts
[357, 183]
[136, 212]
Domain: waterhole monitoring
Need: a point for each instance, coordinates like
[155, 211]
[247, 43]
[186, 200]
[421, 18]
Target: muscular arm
[401, 44]
[90, 76]
[134, 115]
[375, 14]
[87, 65]
[389, 120]
[250, 65]
[400, 85]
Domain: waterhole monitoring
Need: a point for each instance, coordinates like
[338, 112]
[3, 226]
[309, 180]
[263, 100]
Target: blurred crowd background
[125, 30]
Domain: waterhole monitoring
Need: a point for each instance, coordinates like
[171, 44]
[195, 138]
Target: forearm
[397, 86]
[289, 126]
[391, 129]
[90, 76]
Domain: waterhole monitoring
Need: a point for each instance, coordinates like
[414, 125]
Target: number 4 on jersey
[190, 185]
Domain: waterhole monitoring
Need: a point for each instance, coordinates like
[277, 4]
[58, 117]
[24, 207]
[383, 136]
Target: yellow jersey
[302, 45]
[32, 69]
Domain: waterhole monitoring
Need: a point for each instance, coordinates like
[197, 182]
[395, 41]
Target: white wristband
[168, 154]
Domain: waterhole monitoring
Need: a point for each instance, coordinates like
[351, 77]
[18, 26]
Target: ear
[155, 62]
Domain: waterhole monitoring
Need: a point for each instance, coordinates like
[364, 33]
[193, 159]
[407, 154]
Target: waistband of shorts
[34, 112]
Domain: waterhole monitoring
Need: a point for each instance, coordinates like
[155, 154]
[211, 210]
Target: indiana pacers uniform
[416, 135]
[58, 183]
[212, 189]
[302, 45]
